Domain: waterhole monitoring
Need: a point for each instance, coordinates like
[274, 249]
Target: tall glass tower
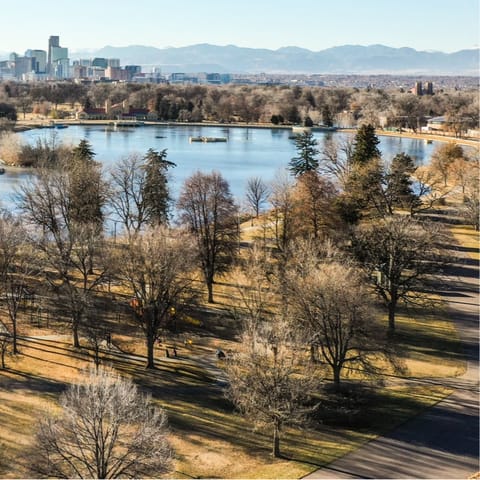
[53, 41]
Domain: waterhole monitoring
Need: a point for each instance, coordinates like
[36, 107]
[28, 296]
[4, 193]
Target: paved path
[444, 441]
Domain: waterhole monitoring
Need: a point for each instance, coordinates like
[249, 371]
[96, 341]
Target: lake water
[248, 152]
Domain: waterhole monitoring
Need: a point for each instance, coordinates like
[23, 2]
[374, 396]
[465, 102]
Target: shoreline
[24, 125]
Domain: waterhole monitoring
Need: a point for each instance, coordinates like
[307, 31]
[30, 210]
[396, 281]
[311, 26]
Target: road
[442, 443]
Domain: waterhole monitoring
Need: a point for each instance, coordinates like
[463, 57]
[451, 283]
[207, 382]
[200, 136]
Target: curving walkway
[443, 442]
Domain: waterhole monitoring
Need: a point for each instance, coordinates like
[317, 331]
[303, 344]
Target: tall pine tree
[156, 194]
[365, 145]
[363, 190]
[87, 188]
[399, 184]
[307, 152]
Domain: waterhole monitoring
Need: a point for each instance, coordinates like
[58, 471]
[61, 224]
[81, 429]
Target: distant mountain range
[347, 59]
[374, 59]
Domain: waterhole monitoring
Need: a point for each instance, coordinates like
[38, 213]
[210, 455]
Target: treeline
[252, 104]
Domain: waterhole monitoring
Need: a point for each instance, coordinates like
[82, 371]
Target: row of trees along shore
[344, 233]
[393, 108]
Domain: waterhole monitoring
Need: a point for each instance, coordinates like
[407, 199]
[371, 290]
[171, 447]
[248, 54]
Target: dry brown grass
[468, 238]
[209, 438]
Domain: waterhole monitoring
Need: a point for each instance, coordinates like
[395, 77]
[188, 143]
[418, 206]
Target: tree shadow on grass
[33, 382]
[420, 341]
[461, 248]
[363, 408]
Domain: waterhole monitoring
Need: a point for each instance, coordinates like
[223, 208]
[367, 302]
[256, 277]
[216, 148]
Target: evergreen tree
[87, 104]
[327, 116]
[308, 122]
[363, 192]
[275, 119]
[399, 184]
[365, 145]
[87, 189]
[156, 194]
[307, 151]
[83, 151]
[364, 185]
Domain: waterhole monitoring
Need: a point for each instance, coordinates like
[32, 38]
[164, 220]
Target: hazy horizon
[259, 48]
[74, 52]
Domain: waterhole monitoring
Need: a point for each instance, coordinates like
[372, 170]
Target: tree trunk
[76, 339]
[391, 317]
[150, 351]
[276, 440]
[392, 303]
[336, 376]
[210, 290]
[14, 335]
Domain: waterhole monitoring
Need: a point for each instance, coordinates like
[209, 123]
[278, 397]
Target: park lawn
[20, 407]
[224, 445]
[209, 438]
[429, 344]
[468, 238]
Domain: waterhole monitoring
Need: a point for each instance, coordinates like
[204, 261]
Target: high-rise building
[61, 65]
[23, 65]
[113, 62]
[132, 70]
[116, 73]
[58, 63]
[53, 41]
[40, 60]
[418, 89]
[100, 62]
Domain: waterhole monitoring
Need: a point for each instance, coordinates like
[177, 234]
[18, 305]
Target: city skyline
[270, 24]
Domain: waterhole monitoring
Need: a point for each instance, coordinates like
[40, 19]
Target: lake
[248, 152]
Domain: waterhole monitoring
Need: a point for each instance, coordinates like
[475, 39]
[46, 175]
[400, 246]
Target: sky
[441, 25]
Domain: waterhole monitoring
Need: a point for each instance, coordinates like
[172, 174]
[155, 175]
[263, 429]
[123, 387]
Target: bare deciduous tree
[156, 266]
[429, 189]
[443, 157]
[75, 251]
[5, 342]
[336, 161]
[466, 174]
[271, 382]
[471, 201]
[257, 194]
[17, 264]
[283, 211]
[331, 307]
[208, 210]
[106, 429]
[315, 199]
[399, 254]
[257, 294]
[127, 180]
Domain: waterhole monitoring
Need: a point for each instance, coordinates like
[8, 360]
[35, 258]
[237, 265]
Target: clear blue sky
[444, 25]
